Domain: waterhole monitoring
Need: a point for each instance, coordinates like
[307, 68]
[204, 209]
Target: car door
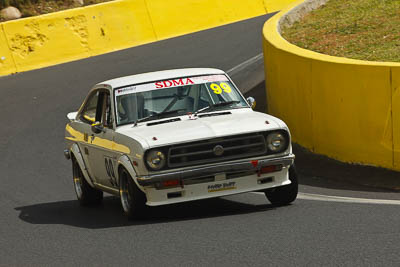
[98, 148]
[86, 117]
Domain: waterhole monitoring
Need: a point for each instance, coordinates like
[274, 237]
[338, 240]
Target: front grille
[203, 152]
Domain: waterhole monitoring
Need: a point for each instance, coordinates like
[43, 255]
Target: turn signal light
[170, 183]
[268, 169]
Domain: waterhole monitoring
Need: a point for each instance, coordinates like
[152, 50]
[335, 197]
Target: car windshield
[175, 97]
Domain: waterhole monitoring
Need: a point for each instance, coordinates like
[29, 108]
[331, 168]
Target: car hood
[239, 121]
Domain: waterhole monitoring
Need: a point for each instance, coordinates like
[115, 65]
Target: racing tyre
[132, 199]
[86, 194]
[284, 195]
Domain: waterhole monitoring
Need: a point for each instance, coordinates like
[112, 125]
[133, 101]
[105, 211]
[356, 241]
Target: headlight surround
[155, 159]
[277, 142]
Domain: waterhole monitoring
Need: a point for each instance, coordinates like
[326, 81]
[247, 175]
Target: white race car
[173, 136]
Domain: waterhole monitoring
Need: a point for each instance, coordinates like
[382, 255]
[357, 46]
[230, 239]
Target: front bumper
[237, 166]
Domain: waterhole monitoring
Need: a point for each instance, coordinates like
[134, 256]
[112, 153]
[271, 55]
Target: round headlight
[276, 142]
[155, 159]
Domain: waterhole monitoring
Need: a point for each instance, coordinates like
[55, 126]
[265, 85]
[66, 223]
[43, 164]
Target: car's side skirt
[107, 189]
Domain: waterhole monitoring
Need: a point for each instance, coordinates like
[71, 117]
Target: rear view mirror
[252, 102]
[97, 127]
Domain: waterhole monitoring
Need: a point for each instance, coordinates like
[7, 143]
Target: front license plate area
[217, 187]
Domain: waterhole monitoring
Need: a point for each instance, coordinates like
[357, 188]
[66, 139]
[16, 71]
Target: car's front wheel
[86, 194]
[132, 199]
[284, 195]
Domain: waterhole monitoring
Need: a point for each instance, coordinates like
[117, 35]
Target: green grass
[30, 8]
[358, 29]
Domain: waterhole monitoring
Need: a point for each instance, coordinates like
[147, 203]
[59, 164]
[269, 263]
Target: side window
[88, 114]
[98, 108]
[106, 119]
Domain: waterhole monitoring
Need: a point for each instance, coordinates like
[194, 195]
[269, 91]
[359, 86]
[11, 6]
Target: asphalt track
[42, 224]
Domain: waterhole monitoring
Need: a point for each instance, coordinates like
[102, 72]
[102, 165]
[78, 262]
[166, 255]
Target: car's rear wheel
[284, 195]
[132, 199]
[85, 194]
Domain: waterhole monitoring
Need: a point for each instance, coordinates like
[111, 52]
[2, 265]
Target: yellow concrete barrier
[54, 38]
[172, 18]
[7, 64]
[343, 108]
[395, 74]
[276, 5]
[78, 33]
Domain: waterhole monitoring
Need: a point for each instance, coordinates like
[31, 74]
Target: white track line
[306, 196]
[348, 199]
[244, 64]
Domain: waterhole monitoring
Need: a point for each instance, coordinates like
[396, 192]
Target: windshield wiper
[159, 115]
[221, 104]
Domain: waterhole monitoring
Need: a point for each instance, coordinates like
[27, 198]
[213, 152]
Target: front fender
[126, 163]
[78, 157]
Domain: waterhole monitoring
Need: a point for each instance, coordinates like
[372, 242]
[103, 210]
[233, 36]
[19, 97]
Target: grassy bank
[30, 8]
[361, 29]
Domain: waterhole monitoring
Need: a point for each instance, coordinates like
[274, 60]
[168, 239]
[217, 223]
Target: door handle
[92, 138]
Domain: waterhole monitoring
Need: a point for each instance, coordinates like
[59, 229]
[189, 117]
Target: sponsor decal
[212, 78]
[174, 83]
[221, 187]
[126, 90]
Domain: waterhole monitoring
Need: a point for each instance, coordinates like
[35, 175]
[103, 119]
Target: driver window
[98, 108]
[88, 114]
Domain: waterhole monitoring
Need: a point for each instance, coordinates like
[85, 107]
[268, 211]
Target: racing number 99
[110, 171]
[217, 89]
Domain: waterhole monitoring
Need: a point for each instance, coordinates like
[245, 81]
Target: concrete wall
[342, 108]
[54, 38]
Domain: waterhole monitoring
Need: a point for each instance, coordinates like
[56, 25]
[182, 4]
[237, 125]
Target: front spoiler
[240, 166]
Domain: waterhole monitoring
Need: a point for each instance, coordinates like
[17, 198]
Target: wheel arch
[125, 163]
[77, 155]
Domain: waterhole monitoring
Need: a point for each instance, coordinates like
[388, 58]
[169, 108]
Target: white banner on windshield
[170, 84]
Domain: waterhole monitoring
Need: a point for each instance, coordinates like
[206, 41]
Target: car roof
[159, 75]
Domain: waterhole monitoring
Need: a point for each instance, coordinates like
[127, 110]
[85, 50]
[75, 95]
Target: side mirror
[97, 127]
[252, 102]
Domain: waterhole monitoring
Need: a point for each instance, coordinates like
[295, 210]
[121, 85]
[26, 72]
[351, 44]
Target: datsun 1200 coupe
[174, 136]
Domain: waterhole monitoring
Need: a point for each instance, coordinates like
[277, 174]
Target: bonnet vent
[162, 122]
[215, 114]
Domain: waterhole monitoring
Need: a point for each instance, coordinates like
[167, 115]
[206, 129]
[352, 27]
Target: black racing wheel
[284, 195]
[132, 199]
[86, 194]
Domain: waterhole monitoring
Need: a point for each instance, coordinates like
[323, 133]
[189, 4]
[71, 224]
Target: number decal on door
[110, 171]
